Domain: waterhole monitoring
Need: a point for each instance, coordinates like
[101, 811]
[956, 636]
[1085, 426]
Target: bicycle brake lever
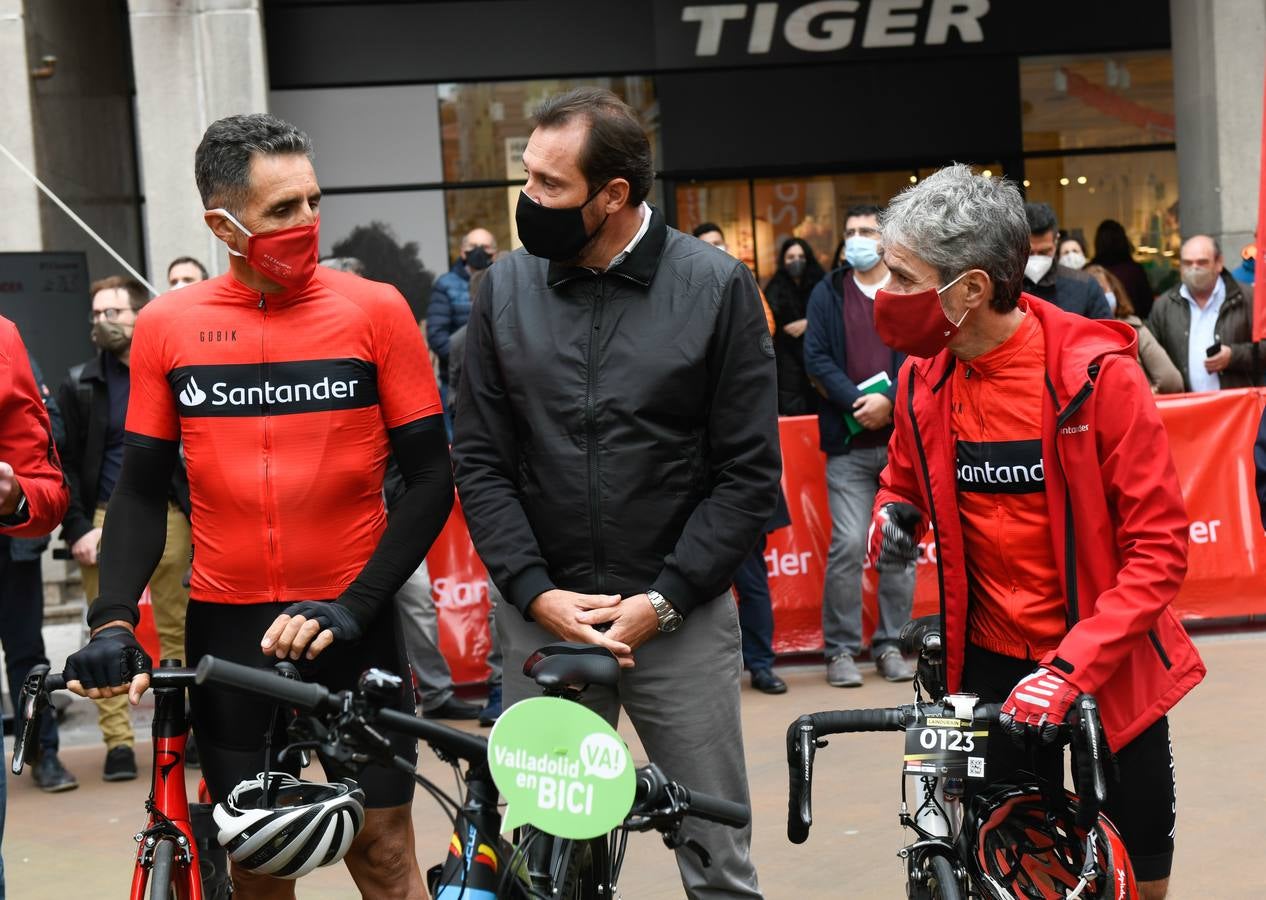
[31, 702]
[804, 745]
[1089, 736]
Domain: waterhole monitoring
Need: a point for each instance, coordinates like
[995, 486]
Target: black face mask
[477, 258]
[554, 233]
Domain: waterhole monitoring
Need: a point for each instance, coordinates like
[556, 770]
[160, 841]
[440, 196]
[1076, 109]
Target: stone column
[20, 224]
[195, 61]
[1219, 60]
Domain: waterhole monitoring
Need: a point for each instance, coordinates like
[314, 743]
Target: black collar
[638, 267]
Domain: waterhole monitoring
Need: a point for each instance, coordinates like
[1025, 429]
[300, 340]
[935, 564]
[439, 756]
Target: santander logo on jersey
[281, 388]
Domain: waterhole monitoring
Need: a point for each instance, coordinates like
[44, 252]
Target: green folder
[875, 384]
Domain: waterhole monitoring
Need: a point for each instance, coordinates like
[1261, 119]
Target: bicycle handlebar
[802, 744]
[302, 695]
[657, 799]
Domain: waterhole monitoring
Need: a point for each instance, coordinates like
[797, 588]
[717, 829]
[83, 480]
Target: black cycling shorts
[1141, 782]
[230, 726]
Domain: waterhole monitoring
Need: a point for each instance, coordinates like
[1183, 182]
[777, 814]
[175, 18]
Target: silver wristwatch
[669, 619]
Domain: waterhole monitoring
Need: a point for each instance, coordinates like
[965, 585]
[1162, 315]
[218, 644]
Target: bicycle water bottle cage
[922, 637]
[567, 668]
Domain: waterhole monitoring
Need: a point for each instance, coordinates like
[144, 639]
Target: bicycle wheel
[586, 871]
[160, 874]
[942, 882]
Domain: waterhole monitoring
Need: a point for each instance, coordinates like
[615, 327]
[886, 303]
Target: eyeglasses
[110, 314]
[861, 232]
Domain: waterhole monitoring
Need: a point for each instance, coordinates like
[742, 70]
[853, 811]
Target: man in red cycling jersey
[288, 386]
[1028, 439]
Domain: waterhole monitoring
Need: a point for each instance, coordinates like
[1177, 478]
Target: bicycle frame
[168, 803]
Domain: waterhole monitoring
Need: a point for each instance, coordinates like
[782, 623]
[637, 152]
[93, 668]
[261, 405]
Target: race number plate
[946, 746]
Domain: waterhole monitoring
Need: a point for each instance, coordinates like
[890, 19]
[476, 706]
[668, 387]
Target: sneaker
[892, 666]
[120, 764]
[492, 709]
[452, 708]
[765, 681]
[841, 671]
[193, 760]
[51, 776]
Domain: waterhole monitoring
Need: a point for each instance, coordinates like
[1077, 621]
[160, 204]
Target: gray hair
[955, 220]
[222, 164]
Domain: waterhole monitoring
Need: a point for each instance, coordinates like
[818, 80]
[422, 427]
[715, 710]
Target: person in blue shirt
[450, 298]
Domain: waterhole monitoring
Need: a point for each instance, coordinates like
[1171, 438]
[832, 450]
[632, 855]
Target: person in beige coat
[1160, 370]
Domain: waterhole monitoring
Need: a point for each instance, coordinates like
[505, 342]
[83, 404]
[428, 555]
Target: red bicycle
[169, 864]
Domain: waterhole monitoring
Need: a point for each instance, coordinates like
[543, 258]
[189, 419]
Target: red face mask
[915, 324]
[288, 256]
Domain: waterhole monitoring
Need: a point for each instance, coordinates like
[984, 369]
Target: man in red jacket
[1028, 440]
[33, 493]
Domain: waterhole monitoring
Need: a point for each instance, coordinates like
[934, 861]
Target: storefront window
[484, 127]
[1116, 100]
[724, 203]
[1139, 190]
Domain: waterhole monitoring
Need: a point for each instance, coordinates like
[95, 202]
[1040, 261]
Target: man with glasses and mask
[94, 403]
[1027, 439]
[617, 452]
[288, 385]
[842, 350]
[1205, 323]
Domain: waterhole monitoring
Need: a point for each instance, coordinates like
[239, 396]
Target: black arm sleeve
[136, 528]
[421, 452]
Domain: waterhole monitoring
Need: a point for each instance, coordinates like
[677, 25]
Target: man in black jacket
[1069, 289]
[617, 452]
[94, 402]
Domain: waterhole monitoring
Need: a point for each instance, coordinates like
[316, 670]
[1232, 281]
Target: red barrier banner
[1210, 435]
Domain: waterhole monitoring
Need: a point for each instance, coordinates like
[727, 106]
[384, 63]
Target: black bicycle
[347, 727]
[945, 752]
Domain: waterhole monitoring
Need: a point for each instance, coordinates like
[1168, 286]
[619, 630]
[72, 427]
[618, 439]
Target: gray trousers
[683, 699]
[852, 481]
[420, 625]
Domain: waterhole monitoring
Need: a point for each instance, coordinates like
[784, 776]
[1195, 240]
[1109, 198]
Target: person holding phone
[1205, 323]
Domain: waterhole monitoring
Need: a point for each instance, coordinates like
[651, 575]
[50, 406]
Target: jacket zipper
[265, 456]
[1160, 651]
[595, 502]
[1073, 612]
[927, 481]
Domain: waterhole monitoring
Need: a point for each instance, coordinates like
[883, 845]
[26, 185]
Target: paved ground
[78, 844]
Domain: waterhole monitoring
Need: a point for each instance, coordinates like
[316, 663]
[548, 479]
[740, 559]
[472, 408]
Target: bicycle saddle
[567, 663]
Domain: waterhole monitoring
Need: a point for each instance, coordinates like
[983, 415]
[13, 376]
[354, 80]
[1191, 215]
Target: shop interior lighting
[1063, 182]
[988, 173]
[1027, 183]
[1081, 179]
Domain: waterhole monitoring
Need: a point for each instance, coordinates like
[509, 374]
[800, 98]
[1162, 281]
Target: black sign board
[46, 296]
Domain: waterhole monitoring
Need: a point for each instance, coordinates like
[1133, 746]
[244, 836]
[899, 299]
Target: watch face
[672, 623]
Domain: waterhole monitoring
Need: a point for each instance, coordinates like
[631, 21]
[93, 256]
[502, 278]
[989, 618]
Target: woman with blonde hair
[1157, 366]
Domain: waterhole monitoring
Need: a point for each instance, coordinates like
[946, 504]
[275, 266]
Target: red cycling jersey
[283, 404]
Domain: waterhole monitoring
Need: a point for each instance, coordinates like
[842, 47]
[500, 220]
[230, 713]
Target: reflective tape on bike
[946, 746]
[561, 768]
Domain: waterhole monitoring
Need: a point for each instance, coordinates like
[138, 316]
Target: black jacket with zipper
[619, 429]
[85, 406]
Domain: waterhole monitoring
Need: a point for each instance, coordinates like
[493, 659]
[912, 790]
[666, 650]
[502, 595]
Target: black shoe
[452, 708]
[192, 758]
[492, 709]
[120, 764]
[51, 776]
[767, 682]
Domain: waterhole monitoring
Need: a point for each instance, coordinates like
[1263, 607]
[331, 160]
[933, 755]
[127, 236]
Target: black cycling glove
[893, 546]
[344, 620]
[113, 657]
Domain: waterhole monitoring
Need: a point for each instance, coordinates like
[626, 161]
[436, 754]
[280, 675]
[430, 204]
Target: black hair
[1041, 218]
[1112, 244]
[222, 163]
[615, 145]
[706, 227]
[187, 261]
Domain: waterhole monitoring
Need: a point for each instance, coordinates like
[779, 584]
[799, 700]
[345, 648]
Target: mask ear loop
[240, 227]
[942, 290]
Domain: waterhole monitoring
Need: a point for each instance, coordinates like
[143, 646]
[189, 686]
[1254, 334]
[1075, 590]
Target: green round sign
[561, 768]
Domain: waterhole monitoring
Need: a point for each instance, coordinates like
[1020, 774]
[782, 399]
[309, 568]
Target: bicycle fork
[473, 868]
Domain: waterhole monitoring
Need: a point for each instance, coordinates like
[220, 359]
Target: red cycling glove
[892, 543]
[1038, 705]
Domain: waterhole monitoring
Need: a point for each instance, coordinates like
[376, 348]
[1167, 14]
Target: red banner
[1259, 282]
[1210, 435]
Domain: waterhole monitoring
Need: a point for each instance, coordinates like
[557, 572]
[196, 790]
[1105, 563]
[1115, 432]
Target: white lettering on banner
[787, 563]
[825, 26]
[271, 394]
[557, 793]
[453, 594]
[1204, 532]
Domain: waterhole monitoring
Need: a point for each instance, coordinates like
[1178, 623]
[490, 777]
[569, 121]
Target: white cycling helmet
[309, 824]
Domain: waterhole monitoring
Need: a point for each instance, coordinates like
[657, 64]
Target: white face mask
[1074, 259]
[1037, 267]
[1112, 301]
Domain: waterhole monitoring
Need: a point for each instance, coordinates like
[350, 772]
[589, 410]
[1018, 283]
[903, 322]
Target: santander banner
[1211, 437]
